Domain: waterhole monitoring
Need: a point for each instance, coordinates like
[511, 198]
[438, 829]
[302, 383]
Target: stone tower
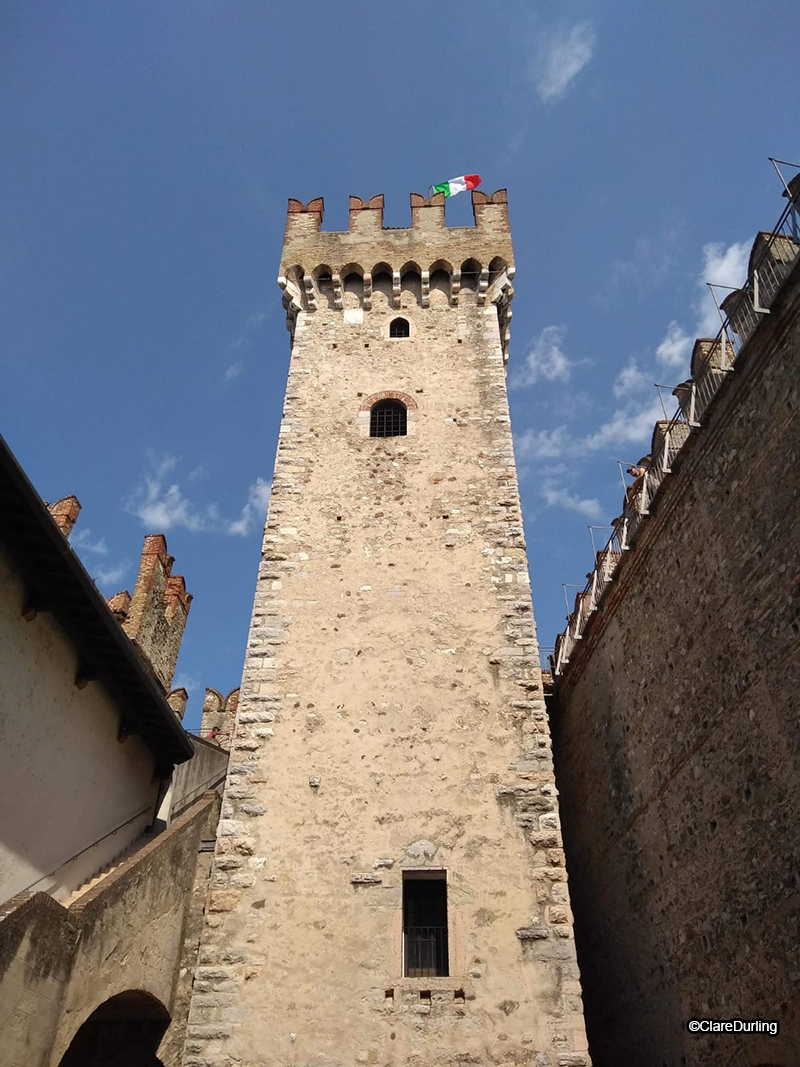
[389, 882]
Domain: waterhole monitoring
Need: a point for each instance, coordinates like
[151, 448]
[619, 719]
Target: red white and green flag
[458, 185]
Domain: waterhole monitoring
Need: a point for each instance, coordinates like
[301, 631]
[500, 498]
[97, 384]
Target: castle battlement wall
[369, 266]
[154, 617]
[675, 736]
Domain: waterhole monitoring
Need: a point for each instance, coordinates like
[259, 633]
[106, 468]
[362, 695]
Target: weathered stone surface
[365, 879]
[58, 964]
[393, 645]
[537, 931]
[677, 742]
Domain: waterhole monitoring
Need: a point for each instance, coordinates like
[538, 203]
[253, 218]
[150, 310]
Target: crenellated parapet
[155, 615]
[773, 258]
[372, 267]
[219, 714]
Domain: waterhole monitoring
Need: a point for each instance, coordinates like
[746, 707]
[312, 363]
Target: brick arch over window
[367, 405]
[389, 394]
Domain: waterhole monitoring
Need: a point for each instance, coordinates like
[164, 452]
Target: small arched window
[388, 418]
[399, 328]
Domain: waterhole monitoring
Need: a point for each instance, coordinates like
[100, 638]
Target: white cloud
[628, 425]
[82, 539]
[560, 497]
[545, 359]
[675, 349]
[254, 510]
[189, 682]
[722, 266]
[631, 379]
[631, 423]
[542, 444]
[161, 506]
[110, 576]
[234, 370]
[560, 56]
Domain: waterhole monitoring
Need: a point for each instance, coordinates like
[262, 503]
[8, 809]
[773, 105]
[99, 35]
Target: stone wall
[677, 744]
[391, 715]
[58, 964]
[204, 772]
[219, 715]
[155, 615]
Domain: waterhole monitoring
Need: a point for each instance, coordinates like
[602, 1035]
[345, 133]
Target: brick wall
[677, 747]
[155, 616]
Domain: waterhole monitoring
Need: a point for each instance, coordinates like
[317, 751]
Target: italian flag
[458, 185]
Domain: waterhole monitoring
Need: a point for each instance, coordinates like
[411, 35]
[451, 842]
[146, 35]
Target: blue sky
[148, 152]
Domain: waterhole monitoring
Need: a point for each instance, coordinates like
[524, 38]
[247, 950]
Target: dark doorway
[125, 1031]
[425, 949]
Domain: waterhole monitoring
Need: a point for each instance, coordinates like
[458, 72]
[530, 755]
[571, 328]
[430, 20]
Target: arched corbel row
[303, 289]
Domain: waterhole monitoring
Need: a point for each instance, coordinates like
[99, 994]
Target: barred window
[388, 418]
[399, 328]
[425, 948]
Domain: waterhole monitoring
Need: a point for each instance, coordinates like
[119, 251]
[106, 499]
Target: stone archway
[124, 1031]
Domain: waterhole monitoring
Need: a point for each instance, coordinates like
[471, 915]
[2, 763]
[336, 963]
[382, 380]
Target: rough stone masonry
[677, 740]
[391, 720]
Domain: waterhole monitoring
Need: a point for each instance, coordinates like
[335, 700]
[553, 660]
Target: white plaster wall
[66, 783]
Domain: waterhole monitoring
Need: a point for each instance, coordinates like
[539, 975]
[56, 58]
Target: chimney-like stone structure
[177, 700]
[155, 615]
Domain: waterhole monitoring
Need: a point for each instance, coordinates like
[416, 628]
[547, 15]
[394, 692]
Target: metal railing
[545, 656]
[774, 254]
[425, 949]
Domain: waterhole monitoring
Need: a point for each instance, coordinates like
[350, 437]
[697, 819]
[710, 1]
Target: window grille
[388, 418]
[425, 948]
[399, 328]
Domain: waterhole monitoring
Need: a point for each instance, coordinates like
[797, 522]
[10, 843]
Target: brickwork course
[391, 716]
[677, 744]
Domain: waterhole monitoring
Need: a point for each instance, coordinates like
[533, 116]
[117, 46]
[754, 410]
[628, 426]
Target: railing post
[623, 541]
[643, 508]
[691, 406]
[593, 594]
[726, 361]
[757, 296]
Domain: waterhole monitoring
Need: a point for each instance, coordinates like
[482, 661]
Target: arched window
[399, 328]
[388, 418]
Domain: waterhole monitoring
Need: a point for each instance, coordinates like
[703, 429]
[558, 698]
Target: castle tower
[389, 883]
